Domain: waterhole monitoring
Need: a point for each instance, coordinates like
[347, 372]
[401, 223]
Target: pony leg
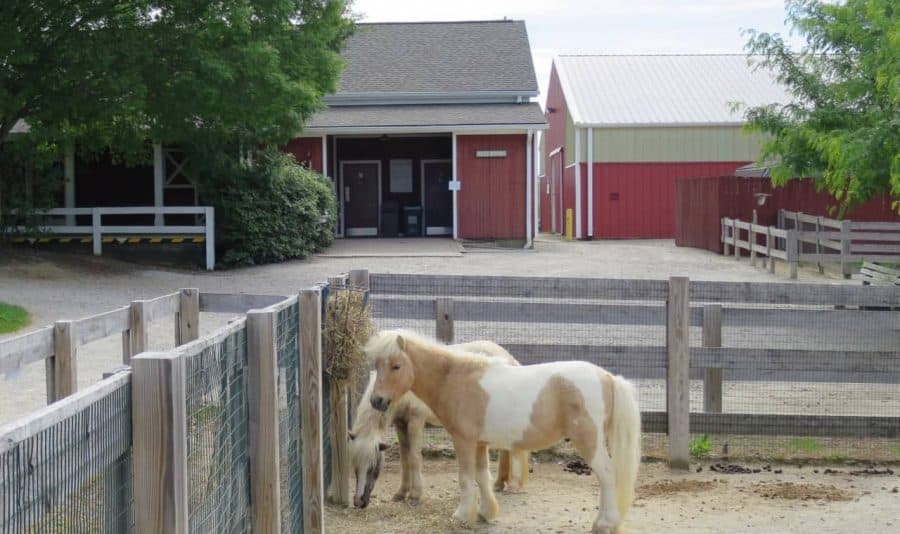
[502, 470]
[403, 436]
[608, 516]
[489, 506]
[466, 513]
[416, 431]
[519, 471]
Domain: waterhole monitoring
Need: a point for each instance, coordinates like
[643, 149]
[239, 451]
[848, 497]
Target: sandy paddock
[797, 500]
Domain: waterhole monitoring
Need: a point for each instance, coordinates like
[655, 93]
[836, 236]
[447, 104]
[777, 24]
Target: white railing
[97, 229]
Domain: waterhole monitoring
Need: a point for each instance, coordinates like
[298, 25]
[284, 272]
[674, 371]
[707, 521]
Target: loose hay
[670, 487]
[348, 325]
[802, 492]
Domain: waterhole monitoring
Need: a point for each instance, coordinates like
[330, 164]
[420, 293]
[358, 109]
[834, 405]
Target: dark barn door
[361, 197]
[438, 199]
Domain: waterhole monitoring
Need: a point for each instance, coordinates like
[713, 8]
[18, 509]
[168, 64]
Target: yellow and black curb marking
[121, 240]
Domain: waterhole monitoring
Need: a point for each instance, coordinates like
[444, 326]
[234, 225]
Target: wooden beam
[443, 314]
[311, 410]
[712, 376]
[262, 396]
[62, 367]
[678, 335]
[160, 443]
[20, 351]
[140, 332]
[188, 323]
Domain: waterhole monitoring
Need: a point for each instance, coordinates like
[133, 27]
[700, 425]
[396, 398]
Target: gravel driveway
[54, 286]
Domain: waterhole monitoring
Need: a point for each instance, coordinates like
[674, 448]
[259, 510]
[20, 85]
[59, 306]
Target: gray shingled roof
[437, 115]
[438, 57]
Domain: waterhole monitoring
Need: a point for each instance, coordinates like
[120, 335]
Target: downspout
[578, 234]
[528, 189]
[455, 190]
[590, 182]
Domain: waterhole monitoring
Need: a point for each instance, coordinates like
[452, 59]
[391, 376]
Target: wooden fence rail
[676, 306]
[808, 239]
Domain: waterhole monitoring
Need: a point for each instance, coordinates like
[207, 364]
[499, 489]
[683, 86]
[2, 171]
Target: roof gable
[663, 90]
[438, 58]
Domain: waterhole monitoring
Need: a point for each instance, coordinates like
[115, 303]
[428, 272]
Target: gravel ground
[54, 286]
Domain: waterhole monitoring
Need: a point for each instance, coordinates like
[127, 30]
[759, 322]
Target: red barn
[431, 132]
[623, 129]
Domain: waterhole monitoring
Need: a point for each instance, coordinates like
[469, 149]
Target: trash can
[390, 218]
[412, 220]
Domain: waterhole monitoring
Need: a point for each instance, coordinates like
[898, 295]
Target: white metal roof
[663, 90]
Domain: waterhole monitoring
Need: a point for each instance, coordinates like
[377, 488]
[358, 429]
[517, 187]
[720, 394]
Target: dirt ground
[796, 500]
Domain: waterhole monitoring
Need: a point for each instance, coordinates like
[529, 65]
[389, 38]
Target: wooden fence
[803, 238]
[204, 230]
[159, 415]
[678, 305]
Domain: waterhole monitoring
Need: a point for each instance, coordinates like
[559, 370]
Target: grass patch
[12, 318]
[837, 457]
[808, 445]
[896, 450]
[700, 446]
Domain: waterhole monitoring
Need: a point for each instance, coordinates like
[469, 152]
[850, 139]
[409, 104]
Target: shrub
[700, 446]
[271, 210]
[31, 180]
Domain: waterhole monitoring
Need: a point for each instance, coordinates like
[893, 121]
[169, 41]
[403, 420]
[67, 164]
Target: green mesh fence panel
[288, 328]
[218, 443]
[74, 476]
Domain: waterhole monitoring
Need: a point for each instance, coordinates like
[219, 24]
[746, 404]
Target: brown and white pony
[484, 402]
[409, 415]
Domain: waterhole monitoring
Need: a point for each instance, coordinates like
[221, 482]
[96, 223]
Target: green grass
[12, 318]
[809, 445]
[896, 450]
[700, 446]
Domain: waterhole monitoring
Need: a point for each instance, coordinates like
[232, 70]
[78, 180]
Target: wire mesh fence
[287, 343]
[217, 435]
[69, 468]
[777, 370]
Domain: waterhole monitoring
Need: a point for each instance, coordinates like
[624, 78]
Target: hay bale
[348, 325]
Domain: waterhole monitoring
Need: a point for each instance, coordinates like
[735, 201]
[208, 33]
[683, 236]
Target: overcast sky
[602, 26]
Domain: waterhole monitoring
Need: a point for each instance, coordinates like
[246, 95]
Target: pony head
[393, 367]
[366, 459]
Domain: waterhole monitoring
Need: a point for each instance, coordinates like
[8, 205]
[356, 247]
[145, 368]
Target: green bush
[31, 180]
[271, 210]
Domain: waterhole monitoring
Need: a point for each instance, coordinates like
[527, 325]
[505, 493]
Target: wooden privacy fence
[812, 239]
[521, 313]
[222, 433]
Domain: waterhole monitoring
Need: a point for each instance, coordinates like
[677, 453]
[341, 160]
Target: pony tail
[625, 442]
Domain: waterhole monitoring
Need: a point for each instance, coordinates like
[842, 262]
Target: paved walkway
[401, 247]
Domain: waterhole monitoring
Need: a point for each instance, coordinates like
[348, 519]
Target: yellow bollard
[570, 224]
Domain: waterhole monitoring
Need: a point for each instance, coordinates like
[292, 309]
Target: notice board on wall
[401, 176]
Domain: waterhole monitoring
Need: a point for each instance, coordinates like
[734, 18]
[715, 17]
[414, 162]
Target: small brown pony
[483, 402]
[409, 415]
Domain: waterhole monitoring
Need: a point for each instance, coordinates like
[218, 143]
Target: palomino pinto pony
[409, 415]
[484, 402]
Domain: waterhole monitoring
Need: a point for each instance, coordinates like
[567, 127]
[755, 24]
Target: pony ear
[352, 435]
[401, 342]
[382, 446]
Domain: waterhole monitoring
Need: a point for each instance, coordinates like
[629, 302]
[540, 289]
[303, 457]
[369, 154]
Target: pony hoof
[489, 512]
[463, 519]
[499, 486]
[399, 496]
[414, 501]
[602, 528]
[514, 488]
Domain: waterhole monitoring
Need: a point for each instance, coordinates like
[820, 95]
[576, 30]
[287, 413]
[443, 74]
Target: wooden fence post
[770, 260]
[725, 247]
[819, 245]
[443, 315]
[187, 324]
[140, 333]
[262, 396]
[678, 341]
[781, 226]
[751, 240]
[96, 237]
[846, 240]
[62, 368]
[793, 252]
[159, 427]
[712, 377]
[312, 460]
[735, 233]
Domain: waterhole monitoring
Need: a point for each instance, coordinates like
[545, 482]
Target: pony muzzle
[380, 403]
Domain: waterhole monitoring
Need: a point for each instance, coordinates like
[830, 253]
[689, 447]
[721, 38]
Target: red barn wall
[637, 200]
[491, 201]
[307, 151]
[555, 137]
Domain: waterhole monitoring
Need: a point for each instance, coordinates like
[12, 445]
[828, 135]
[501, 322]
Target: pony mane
[384, 344]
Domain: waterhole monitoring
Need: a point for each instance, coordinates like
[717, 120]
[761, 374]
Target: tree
[119, 72]
[843, 126]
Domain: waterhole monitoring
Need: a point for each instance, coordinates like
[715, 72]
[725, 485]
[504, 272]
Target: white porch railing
[97, 229]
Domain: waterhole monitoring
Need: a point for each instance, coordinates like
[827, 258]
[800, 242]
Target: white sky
[602, 26]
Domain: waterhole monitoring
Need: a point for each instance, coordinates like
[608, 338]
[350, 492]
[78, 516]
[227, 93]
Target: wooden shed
[624, 128]
[433, 122]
